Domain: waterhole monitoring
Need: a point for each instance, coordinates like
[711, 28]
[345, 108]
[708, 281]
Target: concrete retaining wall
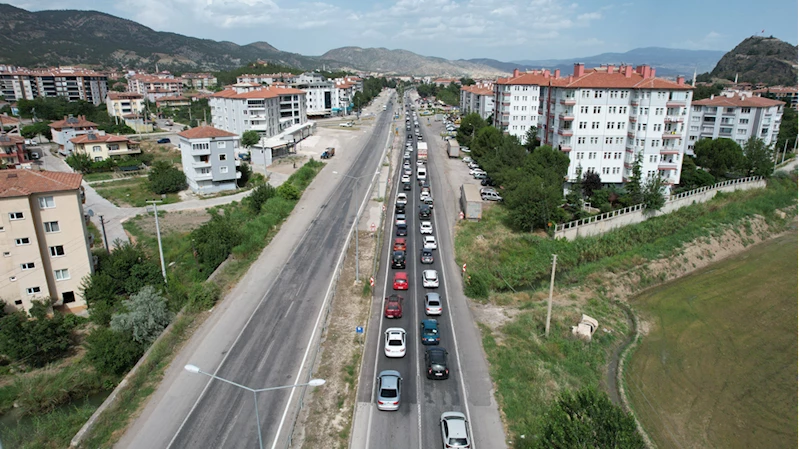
[600, 224]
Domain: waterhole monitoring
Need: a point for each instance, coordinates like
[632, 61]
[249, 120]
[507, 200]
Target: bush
[43, 392]
[246, 172]
[164, 178]
[203, 296]
[288, 191]
[215, 239]
[145, 317]
[35, 340]
[259, 196]
[112, 352]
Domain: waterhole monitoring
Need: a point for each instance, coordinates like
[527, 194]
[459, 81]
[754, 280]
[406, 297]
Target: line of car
[487, 193]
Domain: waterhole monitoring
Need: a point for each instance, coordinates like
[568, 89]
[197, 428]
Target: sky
[507, 30]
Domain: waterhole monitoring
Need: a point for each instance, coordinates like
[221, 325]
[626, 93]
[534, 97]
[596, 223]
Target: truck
[471, 203]
[453, 149]
[421, 151]
[328, 153]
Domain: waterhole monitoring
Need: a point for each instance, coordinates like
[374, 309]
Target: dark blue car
[164, 140]
[429, 332]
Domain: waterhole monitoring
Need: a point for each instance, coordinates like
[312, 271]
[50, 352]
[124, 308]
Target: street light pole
[158, 233]
[312, 383]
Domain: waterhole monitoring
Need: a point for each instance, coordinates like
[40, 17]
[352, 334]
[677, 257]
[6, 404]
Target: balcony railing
[568, 101]
[203, 176]
[672, 135]
[201, 152]
[201, 164]
[631, 134]
[633, 119]
[565, 132]
[669, 150]
[565, 148]
[567, 116]
[675, 104]
[675, 119]
[665, 165]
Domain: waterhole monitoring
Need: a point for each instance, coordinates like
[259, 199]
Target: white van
[421, 173]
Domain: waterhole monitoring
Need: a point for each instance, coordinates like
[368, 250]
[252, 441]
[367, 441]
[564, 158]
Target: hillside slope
[406, 62]
[760, 60]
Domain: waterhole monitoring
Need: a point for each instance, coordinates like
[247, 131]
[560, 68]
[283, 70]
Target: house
[199, 80]
[100, 146]
[209, 159]
[68, 128]
[267, 110]
[787, 94]
[69, 82]
[479, 99]
[120, 104]
[44, 239]
[172, 101]
[9, 125]
[12, 150]
[153, 87]
[266, 78]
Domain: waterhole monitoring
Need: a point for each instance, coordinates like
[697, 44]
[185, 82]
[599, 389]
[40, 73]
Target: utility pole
[158, 233]
[105, 237]
[551, 287]
[357, 220]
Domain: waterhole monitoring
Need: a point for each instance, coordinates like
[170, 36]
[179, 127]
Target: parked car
[346, 125]
[164, 140]
[400, 280]
[455, 430]
[479, 175]
[398, 259]
[435, 360]
[430, 279]
[427, 256]
[490, 196]
[393, 306]
[476, 170]
[428, 330]
[487, 182]
[467, 159]
[395, 342]
[388, 390]
[426, 227]
[430, 242]
[432, 304]
[400, 244]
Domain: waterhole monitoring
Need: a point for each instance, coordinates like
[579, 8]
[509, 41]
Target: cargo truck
[471, 203]
[421, 151]
[453, 149]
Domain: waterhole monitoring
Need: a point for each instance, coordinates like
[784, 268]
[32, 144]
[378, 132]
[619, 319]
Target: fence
[600, 224]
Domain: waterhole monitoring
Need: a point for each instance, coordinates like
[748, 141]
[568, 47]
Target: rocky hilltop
[760, 60]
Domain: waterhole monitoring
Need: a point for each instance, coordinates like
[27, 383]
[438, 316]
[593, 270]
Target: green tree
[36, 339]
[246, 173]
[586, 419]
[164, 178]
[259, 196]
[534, 201]
[471, 124]
[702, 92]
[719, 156]
[214, 240]
[80, 162]
[530, 140]
[652, 192]
[692, 177]
[467, 82]
[146, 315]
[37, 129]
[634, 188]
[250, 138]
[112, 352]
[758, 158]
[591, 183]
[788, 130]
[289, 191]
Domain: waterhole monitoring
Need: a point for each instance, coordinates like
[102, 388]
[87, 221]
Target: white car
[419, 163]
[401, 219]
[430, 242]
[395, 342]
[406, 178]
[474, 171]
[430, 279]
[423, 195]
[467, 160]
[406, 165]
[473, 165]
[490, 196]
[426, 227]
[402, 198]
[487, 190]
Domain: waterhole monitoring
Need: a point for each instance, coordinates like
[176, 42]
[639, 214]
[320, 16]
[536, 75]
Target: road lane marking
[288, 309]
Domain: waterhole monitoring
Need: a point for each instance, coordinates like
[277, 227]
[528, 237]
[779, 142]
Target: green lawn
[131, 192]
[104, 176]
[718, 367]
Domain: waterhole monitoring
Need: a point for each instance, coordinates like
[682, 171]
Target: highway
[416, 423]
[273, 347]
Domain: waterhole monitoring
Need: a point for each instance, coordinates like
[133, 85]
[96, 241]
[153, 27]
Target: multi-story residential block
[266, 78]
[199, 80]
[345, 92]
[68, 128]
[172, 102]
[100, 146]
[43, 239]
[120, 104]
[267, 110]
[321, 95]
[9, 125]
[479, 99]
[155, 86]
[209, 159]
[737, 116]
[12, 150]
[604, 118]
[68, 82]
[787, 94]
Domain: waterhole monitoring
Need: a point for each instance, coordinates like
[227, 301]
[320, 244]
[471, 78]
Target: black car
[406, 186]
[410, 137]
[398, 259]
[424, 211]
[402, 230]
[164, 140]
[427, 256]
[435, 360]
[399, 208]
[487, 182]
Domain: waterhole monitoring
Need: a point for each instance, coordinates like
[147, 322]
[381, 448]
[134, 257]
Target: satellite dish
[90, 213]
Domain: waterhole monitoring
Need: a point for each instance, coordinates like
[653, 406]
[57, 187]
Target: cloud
[711, 40]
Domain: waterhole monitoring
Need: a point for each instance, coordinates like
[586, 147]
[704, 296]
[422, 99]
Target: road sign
[464, 268]
[372, 281]
[460, 215]
[373, 227]
[384, 208]
[359, 330]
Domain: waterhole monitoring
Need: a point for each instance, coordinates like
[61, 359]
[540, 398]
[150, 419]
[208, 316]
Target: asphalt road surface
[271, 348]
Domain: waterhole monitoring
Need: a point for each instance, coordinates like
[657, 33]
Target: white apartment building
[734, 115]
[604, 118]
[120, 104]
[321, 95]
[72, 83]
[44, 240]
[198, 80]
[267, 110]
[478, 98]
[516, 102]
[208, 156]
[70, 127]
[266, 78]
[153, 87]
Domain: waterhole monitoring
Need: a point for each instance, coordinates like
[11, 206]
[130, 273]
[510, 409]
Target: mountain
[760, 60]
[406, 63]
[667, 61]
[88, 37]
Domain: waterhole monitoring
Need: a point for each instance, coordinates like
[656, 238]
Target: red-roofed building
[101, 146]
[9, 125]
[209, 161]
[120, 104]
[199, 80]
[72, 83]
[478, 98]
[12, 150]
[64, 130]
[787, 94]
[734, 115]
[603, 118]
[155, 86]
[267, 110]
[44, 238]
[172, 102]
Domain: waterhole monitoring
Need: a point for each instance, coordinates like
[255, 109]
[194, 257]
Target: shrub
[289, 191]
[112, 352]
[145, 317]
[259, 196]
[164, 178]
[203, 296]
[215, 239]
[37, 339]
[246, 172]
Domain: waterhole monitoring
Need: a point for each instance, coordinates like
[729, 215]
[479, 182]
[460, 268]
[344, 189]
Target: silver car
[432, 304]
[388, 390]
[455, 430]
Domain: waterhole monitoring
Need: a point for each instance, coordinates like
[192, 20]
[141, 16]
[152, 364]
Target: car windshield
[400, 281]
[390, 393]
[392, 306]
[457, 441]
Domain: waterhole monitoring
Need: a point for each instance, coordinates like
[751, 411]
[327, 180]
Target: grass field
[718, 367]
[131, 192]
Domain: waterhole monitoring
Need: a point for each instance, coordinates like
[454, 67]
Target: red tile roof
[263, 92]
[15, 183]
[8, 140]
[92, 137]
[478, 90]
[73, 122]
[205, 132]
[124, 96]
[777, 90]
[594, 78]
[5, 119]
[738, 101]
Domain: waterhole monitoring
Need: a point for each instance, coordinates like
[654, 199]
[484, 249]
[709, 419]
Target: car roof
[389, 377]
[456, 431]
[394, 298]
[437, 352]
[399, 240]
[401, 275]
[430, 323]
[429, 237]
[430, 273]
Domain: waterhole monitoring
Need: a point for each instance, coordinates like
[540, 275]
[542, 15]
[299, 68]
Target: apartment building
[735, 115]
[172, 102]
[787, 94]
[120, 104]
[321, 95]
[153, 87]
[12, 150]
[479, 99]
[209, 159]
[267, 110]
[101, 146]
[71, 83]
[604, 118]
[345, 92]
[68, 128]
[43, 238]
[199, 80]
[266, 78]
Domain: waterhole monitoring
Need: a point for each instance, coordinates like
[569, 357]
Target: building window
[61, 275]
[586, 93]
[28, 266]
[223, 169]
[46, 202]
[22, 241]
[223, 157]
[582, 125]
[610, 125]
[16, 216]
[745, 110]
[97, 149]
[34, 290]
[6, 253]
[581, 140]
[51, 226]
[598, 94]
[583, 109]
[597, 109]
[594, 125]
[221, 144]
[605, 170]
[594, 140]
[743, 121]
[68, 297]
[57, 251]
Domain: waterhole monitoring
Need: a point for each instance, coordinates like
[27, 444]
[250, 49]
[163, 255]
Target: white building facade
[735, 115]
[478, 98]
[516, 102]
[266, 110]
[71, 83]
[121, 104]
[208, 156]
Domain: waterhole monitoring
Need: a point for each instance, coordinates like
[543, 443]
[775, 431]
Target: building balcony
[633, 119]
[203, 176]
[672, 135]
[506, 104]
[201, 164]
[568, 101]
[635, 102]
[565, 148]
[202, 152]
[631, 134]
[628, 165]
[123, 151]
[567, 116]
[675, 104]
[675, 119]
[566, 132]
[670, 150]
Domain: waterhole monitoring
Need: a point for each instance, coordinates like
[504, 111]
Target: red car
[400, 280]
[394, 306]
[399, 244]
